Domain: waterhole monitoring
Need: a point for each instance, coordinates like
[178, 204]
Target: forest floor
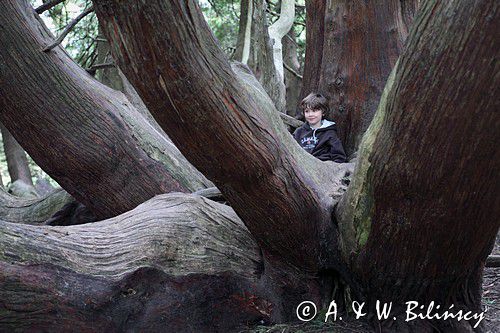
[491, 294]
[491, 306]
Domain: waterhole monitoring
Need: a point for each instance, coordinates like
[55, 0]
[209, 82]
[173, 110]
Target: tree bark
[410, 217]
[406, 229]
[315, 36]
[108, 76]
[350, 51]
[293, 82]
[32, 211]
[133, 272]
[43, 186]
[219, 128]
[269, 77]
[23, 190]
[17, 162]
[108, 157]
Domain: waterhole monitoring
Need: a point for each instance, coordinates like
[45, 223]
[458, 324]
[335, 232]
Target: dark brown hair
[315, 101]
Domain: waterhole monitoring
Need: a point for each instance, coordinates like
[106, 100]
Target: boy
[318, 136]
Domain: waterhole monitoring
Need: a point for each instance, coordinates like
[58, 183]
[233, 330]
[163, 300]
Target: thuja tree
[351, 48]
[416, 223]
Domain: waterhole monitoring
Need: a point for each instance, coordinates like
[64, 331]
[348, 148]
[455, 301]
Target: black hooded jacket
[322, 143]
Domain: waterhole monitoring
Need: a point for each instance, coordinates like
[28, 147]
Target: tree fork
[172, 79]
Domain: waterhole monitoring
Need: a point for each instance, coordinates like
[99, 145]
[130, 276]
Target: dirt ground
[491, 306]
[491, 294]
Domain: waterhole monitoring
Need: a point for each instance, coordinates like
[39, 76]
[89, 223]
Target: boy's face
[313, 116]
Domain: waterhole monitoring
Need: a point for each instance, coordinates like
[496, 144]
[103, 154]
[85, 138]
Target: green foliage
[223, 18]
[81, 42]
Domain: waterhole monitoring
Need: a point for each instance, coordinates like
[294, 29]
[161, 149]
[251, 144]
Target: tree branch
[103, 152]
[290, 69]
[47, 6]
[94, 68]
[32, 211]
[174, 229]
[68, 28]
[291, 121]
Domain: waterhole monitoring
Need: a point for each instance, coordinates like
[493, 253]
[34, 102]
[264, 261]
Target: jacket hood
[324, 124]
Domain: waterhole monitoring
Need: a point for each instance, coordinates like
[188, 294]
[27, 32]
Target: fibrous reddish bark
[426, 181]
[225, 126]
[350, 51]
[85, 135]
[315, 35]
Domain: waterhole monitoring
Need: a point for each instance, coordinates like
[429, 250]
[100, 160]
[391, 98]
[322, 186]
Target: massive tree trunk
[414, 186]
[245, 133]
[86, 136]
[351, 47]
[411, 216]
[17, 162]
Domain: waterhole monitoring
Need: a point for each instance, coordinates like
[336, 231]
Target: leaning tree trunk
[351, 48]
[230, 132]
[84, 135]
[17, 162]
[421, 214]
